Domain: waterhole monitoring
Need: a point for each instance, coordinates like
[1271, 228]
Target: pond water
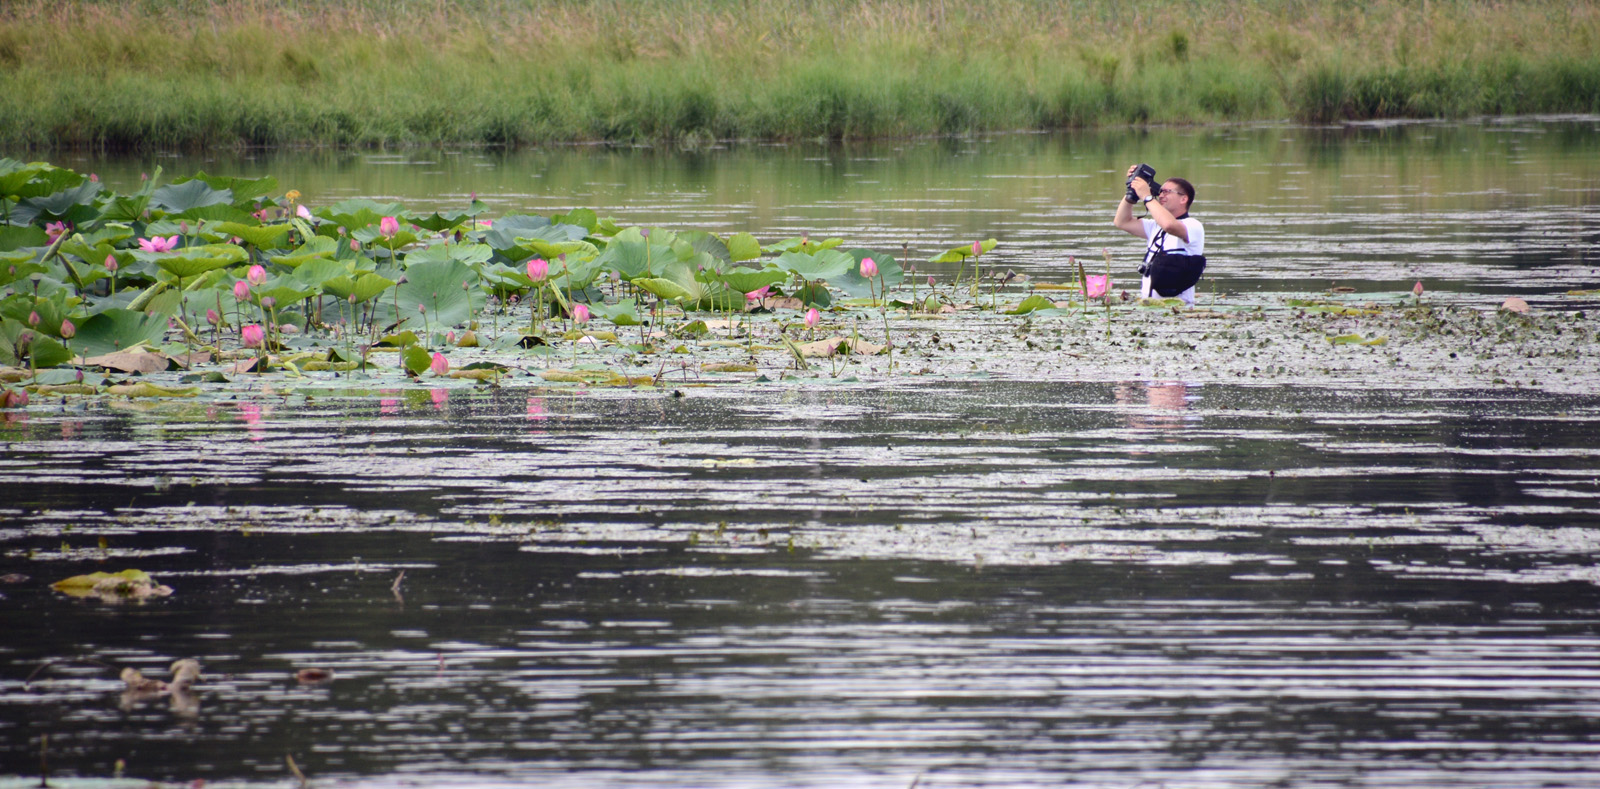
[1033, 579]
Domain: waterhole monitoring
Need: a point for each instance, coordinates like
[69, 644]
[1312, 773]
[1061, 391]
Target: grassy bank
[368, 72]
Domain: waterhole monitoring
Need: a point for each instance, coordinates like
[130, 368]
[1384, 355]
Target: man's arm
[1173, 225]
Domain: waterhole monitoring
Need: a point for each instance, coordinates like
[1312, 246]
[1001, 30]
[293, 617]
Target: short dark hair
[1188, 189]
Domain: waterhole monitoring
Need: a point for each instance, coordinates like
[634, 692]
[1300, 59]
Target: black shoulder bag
[1170, 273]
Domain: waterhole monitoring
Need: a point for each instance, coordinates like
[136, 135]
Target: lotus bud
[645, 232]
[812, 316]
[1416, 290]
[355, 246]
[241, 290]
[450, 337]
[930, 280]
[78, 377]
[440, 365]
[352, 298]
[268, 302]
[33, 318]
[257, 275]
[94, 178]
[538, 269]
[213, 318]
[869, 269]
[68, 331]
[422, 309]
[977, 249]
[303, 212]
[389, 226]
[580, 313]
[183, 227]
[144, 176]
[252, 335]
[463, 285]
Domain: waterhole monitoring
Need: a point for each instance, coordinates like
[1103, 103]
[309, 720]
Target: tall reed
[149, 73]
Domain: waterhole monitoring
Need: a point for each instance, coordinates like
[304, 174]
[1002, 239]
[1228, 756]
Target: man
[1175, 243]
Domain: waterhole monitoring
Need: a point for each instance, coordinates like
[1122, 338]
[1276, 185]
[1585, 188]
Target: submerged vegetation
[126, 75]
[226, 286]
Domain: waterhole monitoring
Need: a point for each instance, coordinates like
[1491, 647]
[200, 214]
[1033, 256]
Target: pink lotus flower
[580, 313]
[302, 212]
[538, 269]
[56, 230]
[440, 365]
[158, 244]
[257, 275]
[252, 336]
[869, 269]
[812, 316]
[757, 294]
[1097, 285]
[241, 290]
[68, 331]
[111, 262]
[389, 226]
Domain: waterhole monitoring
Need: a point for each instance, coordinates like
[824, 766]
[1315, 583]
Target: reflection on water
[981, 583]
[1167, 403]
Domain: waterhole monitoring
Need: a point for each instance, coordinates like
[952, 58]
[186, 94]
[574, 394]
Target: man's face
[1172, 198]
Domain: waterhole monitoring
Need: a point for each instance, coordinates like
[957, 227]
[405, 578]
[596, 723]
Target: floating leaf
[1031, 303]
[128, 584]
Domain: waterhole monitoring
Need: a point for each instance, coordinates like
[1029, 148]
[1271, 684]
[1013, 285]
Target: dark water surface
[985, 583]
[1037, 581]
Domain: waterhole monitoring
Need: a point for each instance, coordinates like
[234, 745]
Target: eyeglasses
[1171, 192]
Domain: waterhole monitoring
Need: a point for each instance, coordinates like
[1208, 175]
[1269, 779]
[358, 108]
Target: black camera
[1144, 171]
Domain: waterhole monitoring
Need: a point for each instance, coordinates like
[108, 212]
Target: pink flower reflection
[390, 405]
[441, 398]
[250, 414]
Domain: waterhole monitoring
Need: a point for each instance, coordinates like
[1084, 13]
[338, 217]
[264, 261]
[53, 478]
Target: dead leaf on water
[130, 361]
[126, 585]
[728, 367]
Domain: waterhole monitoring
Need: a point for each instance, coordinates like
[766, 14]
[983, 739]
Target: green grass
[149, 74]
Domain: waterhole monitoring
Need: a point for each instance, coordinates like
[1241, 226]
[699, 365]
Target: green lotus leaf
[187, 266]
[180, 197]
[243, 190]
[314, 272]
[437, 221]
[437, 287]
[957, 254]
[1032, 303]
[116, 329]
[373, 238]
[39, 350]
[503, 235]
[283, 295]
[260, 236]
[582, 217]
[364, 287]
[627, 258]
[20, 181]
[317, 248]
[416, 359]
[13, 238]
[357, 213]
[663, 288]
[75, 205]
[823, 264]
[702, 241]
[746, 280]
[625, 313]
[851, 281]
[743, 246]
